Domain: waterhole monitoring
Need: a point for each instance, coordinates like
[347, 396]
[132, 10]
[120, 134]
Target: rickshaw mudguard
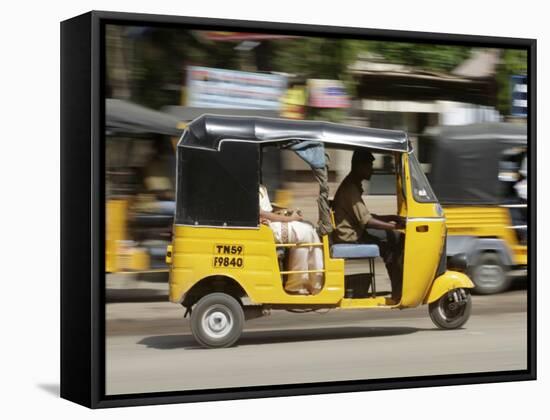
[448, 281]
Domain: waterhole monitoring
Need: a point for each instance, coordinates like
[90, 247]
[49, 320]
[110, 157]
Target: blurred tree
[149, 63]
[117, 74]
[330, 58]
[436, 58]
[162, 58]
[513, 62]
[319, 58]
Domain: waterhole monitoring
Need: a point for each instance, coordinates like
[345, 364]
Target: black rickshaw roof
[466, 161]
[126, 117]
[210, 131]
[505, 134]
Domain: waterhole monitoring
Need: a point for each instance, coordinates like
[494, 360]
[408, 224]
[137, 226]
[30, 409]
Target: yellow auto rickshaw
[139, 207]
[475, 171]
[225, 266]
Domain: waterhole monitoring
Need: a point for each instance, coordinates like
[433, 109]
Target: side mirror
[458, 262]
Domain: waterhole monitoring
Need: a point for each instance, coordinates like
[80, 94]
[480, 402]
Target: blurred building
[397, 96]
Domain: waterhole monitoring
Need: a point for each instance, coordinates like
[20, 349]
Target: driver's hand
[401, 222]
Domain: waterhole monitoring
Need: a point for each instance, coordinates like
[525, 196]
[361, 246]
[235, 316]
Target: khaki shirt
[350, 212]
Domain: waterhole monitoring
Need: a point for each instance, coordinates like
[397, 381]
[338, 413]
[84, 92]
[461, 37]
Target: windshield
[422, 192]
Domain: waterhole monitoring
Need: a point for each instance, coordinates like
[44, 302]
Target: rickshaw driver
[355, 224]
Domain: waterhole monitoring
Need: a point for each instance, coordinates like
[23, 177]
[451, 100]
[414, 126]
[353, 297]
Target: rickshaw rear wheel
[449, 313]
[217, 320]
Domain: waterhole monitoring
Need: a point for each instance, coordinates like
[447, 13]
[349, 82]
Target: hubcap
[450, 310]
[217, 322]
[489, 275]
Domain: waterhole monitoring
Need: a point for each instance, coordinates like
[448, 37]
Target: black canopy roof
[500, 134]
[208, 132]
[127, 117]
[465, 160]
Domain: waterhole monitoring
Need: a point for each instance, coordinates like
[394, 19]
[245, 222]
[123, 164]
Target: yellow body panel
[520, 254]
[447, 282]
[424, 238]
[120, 258]
[422, 255]
[486, 222]
[139, 260]
[195, 256]
[116, 220]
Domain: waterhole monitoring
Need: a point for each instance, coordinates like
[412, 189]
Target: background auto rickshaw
[226, 267]
[474, 170]
[139, 160]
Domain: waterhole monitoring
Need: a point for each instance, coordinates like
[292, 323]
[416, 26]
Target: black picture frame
[83, 212]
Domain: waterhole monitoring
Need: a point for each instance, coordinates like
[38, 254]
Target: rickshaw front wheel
[451, 310]
[217, 320]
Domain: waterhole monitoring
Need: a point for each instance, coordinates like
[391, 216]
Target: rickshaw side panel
[247, 256]
[195, 256]
[423, 248]
[424, 244]
[486, 222]
[448, 281]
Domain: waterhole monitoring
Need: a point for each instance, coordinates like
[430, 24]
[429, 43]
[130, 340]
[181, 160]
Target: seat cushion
[350, 251]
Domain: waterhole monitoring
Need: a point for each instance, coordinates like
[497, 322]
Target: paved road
[149, 346]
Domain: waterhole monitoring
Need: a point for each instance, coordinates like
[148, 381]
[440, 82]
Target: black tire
[445, 317]
[489, 274]
[217, 320]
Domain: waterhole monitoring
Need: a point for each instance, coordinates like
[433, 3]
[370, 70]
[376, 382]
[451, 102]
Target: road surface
[149, 346]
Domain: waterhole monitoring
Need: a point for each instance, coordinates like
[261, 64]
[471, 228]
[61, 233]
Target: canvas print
[287, 209]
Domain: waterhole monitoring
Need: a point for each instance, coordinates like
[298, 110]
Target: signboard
[220, 88]
[327, 94]
[519, 96]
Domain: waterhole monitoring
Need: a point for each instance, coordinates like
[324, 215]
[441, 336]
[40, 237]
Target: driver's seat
[354, 251]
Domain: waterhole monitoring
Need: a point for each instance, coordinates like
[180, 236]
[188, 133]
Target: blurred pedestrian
[519, 214]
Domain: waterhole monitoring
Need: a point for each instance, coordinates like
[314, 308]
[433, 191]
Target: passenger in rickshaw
[355, 224]
[293, 229]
